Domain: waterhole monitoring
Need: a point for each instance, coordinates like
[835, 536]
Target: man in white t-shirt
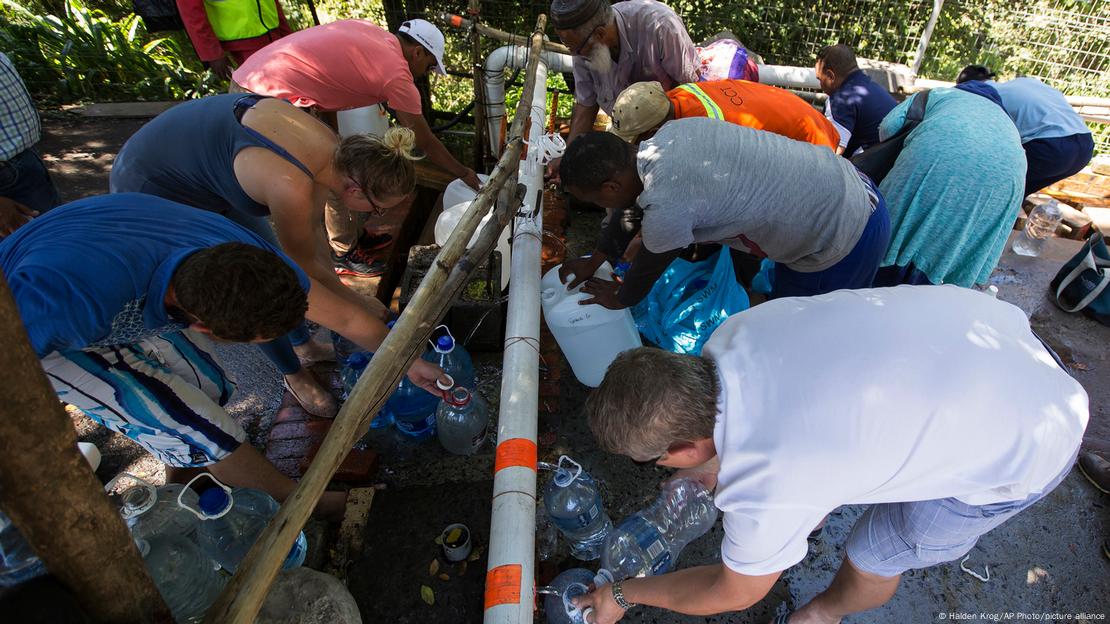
[901, 398]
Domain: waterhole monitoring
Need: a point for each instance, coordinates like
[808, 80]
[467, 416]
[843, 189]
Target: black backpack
[158, 15]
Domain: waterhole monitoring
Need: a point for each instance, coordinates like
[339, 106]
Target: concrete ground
[1047, 560]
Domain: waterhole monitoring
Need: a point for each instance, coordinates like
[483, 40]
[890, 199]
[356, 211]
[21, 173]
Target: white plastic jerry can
[449, 219]
[591, 336]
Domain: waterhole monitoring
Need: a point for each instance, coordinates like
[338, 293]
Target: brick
[288, 467]
[289, 449]
[292, 414]
[315, 428]
[358, 468]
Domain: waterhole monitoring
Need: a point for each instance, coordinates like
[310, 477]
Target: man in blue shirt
[122, 295]
[856, 104]
[1057, 143]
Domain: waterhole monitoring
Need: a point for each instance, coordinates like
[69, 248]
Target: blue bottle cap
[359, 360]
[444, 344]
[214, 501]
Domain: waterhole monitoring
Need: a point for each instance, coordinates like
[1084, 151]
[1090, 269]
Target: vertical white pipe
[510, 574]
[511, 57]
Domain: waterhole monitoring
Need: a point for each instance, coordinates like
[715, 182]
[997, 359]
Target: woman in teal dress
[954, 192]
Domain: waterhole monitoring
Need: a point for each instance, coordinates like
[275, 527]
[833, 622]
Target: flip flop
[302, 403]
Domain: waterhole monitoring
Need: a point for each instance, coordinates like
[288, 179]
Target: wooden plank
[352, 532]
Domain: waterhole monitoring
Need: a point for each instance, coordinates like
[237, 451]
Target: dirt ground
[1045, 561]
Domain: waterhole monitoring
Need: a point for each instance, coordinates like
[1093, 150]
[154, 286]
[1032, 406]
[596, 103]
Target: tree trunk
[53, 497]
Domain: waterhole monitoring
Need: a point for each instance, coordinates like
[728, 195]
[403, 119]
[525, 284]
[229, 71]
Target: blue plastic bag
[689, 301]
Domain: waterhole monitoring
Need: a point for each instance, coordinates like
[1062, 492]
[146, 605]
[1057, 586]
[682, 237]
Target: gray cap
[570, 14]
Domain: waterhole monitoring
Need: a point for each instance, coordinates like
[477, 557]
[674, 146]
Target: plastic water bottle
[1040, 226]
[414, 410]
[344, 348]
[461, 420]
[352, 369]
[231, 521]
[648, 542]
[453, 359]
[567, 586]
[18, 562]
[150, 510]
[188, 579]
[574, 505]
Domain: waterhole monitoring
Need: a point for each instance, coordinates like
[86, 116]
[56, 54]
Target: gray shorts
[891, 538]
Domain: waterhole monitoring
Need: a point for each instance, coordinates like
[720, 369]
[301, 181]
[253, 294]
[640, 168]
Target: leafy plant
[88, 55]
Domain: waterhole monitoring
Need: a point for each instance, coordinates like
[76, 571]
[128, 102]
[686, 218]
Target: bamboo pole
[244, 594]
[460, 22]
[53, 497]
[926, 34]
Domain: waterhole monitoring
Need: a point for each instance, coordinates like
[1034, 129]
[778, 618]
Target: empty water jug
[573, 502]
[458, 191]
[18, 562]
[414, 410]
[461, 420]
[449, 355]
[591, 336]
[649, 541]
[566, 587]
[352, 369]
[188, 579]
[232, 519]
[449, 219]
[150, 510]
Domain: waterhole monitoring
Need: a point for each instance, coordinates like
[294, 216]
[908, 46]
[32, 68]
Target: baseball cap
[428, 36]
[639, 108]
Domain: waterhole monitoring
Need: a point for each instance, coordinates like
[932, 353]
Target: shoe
[322, 404]
[1096, 469]
[374, 241]
[359, 263]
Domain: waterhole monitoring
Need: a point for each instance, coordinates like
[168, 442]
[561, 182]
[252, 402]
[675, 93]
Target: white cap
[427, 35]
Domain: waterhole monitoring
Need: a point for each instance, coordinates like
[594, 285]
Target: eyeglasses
[578, 51]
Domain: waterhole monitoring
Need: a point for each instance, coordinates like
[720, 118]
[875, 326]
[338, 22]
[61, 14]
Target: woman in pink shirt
[351, 64]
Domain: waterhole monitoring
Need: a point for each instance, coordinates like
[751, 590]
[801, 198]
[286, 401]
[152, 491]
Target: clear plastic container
[232, 519]
[449, 355]
[349, 374]
[188, 579]
[573, 502]
[18, 562]
[150, 510]
[649, 541]
[557, 607]
[462, 419]
[1039, 227]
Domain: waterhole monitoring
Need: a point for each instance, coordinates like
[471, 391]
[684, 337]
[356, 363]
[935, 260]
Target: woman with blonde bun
[254, 159]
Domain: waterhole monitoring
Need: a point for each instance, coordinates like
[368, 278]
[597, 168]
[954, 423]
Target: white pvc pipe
[789, 77]
[510, 574]
[513, 57]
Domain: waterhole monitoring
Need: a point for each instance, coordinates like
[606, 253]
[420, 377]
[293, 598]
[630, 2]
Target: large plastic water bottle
[150, 510]
[591, 336]
[18, 562]
[231, 521]
[414, 410]
[649, 542]
[188, 579]
[352, 369]
[567, 586]
[453, 359]
[461, 420]
[1040, 226]
[574, 505]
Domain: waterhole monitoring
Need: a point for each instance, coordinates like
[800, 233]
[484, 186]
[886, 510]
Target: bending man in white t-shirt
[901, 398]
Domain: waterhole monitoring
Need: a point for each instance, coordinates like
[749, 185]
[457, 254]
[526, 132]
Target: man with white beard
[617, 45]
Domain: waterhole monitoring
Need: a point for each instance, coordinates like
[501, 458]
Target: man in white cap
[351, 64]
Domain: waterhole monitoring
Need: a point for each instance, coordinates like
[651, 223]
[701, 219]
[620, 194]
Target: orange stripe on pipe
[515, 452]
[503, 585]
